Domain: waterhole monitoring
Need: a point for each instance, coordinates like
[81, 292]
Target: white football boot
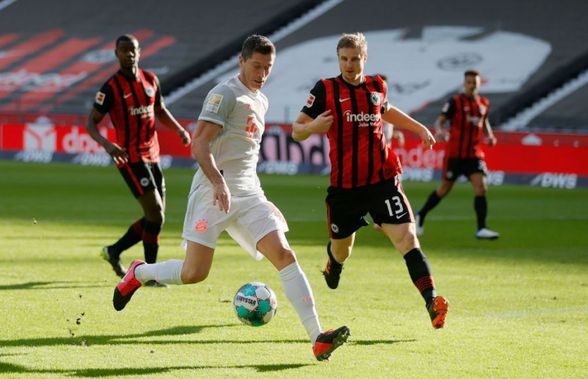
[486, 234]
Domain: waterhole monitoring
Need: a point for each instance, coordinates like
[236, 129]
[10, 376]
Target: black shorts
[143, 177]
[347, 208]
[456, 167]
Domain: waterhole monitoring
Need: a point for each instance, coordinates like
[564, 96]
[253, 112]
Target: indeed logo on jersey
[144, 111]
[474, 119]
[363, 119]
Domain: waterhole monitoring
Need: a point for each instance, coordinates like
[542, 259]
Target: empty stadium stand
[55, 54]
[560, 24]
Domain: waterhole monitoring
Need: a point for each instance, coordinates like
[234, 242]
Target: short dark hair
[256, 43]
[471, 73]
[126, 38]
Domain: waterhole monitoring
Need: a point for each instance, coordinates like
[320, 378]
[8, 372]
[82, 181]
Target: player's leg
[338, 251]
[193, 269]
[448, 175]
[391, 209]
[133, 174]
[404, 238]
[152, 202]
[346, 212]
[479, 185]
[276, 249]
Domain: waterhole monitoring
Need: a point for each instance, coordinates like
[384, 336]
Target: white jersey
[241, 114]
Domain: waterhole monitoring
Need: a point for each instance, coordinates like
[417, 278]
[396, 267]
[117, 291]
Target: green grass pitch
[518, 306]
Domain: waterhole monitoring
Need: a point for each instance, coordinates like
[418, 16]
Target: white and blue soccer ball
[255, 304]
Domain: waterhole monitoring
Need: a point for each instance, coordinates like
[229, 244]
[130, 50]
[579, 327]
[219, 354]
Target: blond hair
[352, 40]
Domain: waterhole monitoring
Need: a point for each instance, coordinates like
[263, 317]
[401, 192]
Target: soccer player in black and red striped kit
[132, 98]
[351, 109]
[468, 115]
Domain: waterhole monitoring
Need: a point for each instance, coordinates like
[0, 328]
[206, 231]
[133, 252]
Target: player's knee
[286, 256]
[406, 241]
[156, 217]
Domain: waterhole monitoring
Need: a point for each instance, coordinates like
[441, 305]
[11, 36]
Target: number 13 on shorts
[395, 207]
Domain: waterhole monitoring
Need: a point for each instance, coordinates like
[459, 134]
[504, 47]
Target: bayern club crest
[376, 98]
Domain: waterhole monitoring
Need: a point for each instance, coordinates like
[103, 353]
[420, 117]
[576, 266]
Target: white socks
[300, 295]
[168, 272]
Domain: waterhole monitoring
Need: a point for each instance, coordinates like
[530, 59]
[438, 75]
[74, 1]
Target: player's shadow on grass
[378, 342]
[98, 372]
[136, 339]
[50, 285]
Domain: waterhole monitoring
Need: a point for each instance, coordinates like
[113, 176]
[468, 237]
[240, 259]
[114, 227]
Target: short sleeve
[219, 103]
[385, 103]
[448, 109]
[315, 104]
[104, 99]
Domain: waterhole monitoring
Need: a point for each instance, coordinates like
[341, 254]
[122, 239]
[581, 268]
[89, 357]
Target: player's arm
[488, 129]
[440, 131]
[398, 118]
[166, 118]
[102, 104]
[304, 125]
[313, 118]
[447, 112]
[204, 133]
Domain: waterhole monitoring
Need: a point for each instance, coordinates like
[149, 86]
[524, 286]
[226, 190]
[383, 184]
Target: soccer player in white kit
[226, 195]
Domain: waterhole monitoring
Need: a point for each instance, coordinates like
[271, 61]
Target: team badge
[144, 182]
[214, 102]
[201, 226]
[100, 96]
[334, 228]
[310, 100]
[150, 91]
[482, 109]
[375, 97]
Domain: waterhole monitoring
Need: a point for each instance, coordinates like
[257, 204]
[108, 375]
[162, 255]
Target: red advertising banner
[537, 158]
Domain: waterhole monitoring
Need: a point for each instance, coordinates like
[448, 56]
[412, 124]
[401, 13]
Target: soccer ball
[255, 304]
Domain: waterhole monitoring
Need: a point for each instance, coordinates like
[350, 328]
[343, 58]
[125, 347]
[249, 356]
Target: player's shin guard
[130, 238]
[150, 238]
[300, 295]
[481, 208]
[168, 272]
[432, 201]
[420, 274]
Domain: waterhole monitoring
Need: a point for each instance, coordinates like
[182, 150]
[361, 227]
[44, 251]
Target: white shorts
[250, 219]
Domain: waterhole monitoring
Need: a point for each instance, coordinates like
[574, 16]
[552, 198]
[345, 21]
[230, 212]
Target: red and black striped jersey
[467, 117]
[358, 152]
[131, 105]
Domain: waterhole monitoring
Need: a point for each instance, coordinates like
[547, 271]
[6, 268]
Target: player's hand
[442, 135]
[492, 140]
[184, 136]
[222, 197]
[427, 139]
[118, 154]
[323, 122]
